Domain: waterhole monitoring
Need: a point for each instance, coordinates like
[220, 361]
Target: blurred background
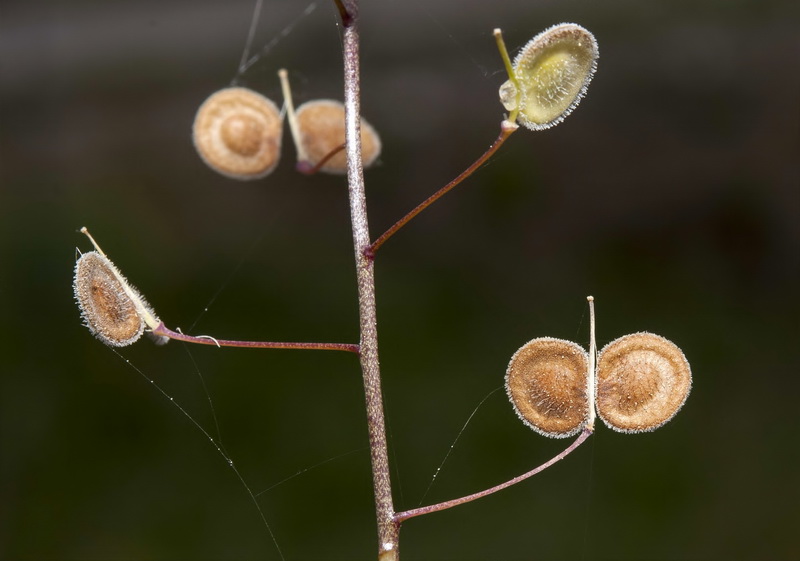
[672, 194]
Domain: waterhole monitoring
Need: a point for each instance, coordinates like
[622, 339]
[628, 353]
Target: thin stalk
[388, 529]
[506, 128]
[401, 516]
[307, 169]
[304, 166]
[592, 365]
[291, 116]
[512, 76]
[163, 331]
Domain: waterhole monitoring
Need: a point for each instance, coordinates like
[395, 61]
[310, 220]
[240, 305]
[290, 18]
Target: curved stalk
[401, 516]
[506, 128]
[307, 169]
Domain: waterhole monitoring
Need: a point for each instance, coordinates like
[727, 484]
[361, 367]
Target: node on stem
[550, 75]
[318, 130]
[113, 310]
[237, 133]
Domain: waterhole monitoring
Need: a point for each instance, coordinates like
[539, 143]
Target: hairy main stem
[388, 529]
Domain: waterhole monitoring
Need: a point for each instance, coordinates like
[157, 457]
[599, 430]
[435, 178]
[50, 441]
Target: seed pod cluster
[238, 132]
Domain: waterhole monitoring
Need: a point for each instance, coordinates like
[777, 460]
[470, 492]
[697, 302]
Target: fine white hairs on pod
[639, 383]
[237, 133]
[112, 309]
[550, 75]
[318, 129]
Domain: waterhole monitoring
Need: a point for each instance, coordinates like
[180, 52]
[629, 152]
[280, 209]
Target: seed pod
[111, 308]
[642, 381]
[552, 73]
[547, 383]
[318, 129]
[237, 132]
[321, 129]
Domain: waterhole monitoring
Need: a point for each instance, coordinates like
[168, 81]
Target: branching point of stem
[348, 11]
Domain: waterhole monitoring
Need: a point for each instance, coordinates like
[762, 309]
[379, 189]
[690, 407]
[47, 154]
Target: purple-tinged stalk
[401, 516]
[163, 331]
[506, 128]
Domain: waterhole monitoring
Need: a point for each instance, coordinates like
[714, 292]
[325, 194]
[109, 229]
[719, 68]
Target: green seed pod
[551, 73]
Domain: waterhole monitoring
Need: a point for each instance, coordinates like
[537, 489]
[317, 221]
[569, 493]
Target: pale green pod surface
[553, 70]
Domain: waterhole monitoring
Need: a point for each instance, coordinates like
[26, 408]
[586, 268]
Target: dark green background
[672, 195]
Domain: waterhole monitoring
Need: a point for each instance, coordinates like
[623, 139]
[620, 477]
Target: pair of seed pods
[636, 384]
[238, 132]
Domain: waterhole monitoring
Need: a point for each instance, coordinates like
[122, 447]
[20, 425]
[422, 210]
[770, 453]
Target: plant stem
[388, 529]
[401, 516]
[163, 331]
[506, 128]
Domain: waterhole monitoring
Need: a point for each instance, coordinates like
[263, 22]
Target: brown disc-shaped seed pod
[321, 126]
[107, 310]
[237, 132]
[111, 308]
[547, 383]
[642, 381]
[553, 71]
